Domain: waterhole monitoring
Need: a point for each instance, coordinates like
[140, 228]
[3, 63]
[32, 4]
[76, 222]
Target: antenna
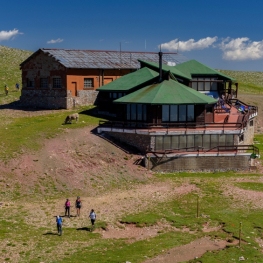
[120, 53]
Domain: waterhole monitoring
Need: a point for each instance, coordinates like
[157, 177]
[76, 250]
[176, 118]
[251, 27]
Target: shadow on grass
[84, 229]
[50, 234]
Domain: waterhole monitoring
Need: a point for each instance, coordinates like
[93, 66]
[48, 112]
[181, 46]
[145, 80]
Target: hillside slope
[77, 162]
[10, 59]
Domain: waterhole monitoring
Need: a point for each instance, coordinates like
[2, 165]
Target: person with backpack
[59, 224]
[67, 208]
[78, 205]
[92, 217]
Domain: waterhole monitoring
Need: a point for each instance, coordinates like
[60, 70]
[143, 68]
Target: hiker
[78, 205]
[59, 225]
[6, 90]
[17, 86]
[92, 217]
[67, 208]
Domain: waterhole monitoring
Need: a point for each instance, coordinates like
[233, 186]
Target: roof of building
[165, 67]
[166, 92]
[105, 59]
[193, 67]
[131, 80]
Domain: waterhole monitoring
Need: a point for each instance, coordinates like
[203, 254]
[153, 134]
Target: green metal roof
[193, 67]
[166, 92]
[130, 80]
[165, 67]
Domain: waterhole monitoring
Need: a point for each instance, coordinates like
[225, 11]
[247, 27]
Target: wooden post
[240, 233]
[197, 207]
[148, 162]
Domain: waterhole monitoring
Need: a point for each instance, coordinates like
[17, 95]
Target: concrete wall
[184, 161]
[198, 163]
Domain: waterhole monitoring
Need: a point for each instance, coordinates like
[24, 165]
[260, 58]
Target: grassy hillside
[249, 81]
[10, 72]
[165, 210]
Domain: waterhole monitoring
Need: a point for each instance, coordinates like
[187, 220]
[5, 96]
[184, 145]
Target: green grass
[80, 245]
[27, 132]
[35, 242]
[249, 82]
[10, 73]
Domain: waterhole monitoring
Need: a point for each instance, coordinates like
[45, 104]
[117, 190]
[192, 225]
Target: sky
[222, 34]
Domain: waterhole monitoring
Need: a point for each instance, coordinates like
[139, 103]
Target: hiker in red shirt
[67, 208]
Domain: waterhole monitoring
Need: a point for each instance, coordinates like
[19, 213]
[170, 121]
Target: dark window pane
[165, 113]
[182, 112]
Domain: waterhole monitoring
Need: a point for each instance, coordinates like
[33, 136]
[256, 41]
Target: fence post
[197, 207]
[240, 233]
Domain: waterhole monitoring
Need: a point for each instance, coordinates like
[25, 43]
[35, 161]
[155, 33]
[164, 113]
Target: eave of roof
[166, 92]
[131, 80]
[192, 68]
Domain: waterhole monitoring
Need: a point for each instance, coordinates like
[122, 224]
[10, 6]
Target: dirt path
[189, 251]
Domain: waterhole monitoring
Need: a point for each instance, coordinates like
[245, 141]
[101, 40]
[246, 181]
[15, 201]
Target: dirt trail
[189, 251]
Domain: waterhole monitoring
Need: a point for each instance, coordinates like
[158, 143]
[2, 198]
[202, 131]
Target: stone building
[63, 79]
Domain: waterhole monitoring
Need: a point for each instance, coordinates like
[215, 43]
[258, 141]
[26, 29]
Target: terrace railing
[168, 126]
[199, 150]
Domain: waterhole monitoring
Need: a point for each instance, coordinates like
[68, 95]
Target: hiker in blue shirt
[59, 224]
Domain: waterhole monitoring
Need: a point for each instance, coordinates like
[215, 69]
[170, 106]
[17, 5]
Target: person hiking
[78, 205]
[92, 217]
[17, 86]
[59, 224]
[67, 208]
[6, 90]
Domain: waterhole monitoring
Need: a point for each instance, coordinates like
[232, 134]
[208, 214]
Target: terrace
[227, 115]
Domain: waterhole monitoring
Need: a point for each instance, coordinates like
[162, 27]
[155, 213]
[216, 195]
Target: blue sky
[223, 34]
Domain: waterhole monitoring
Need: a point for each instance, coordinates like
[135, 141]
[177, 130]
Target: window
[88, 83]
[57, 83]
[44, 83]
[136, 112]
[30, 83]
[251, 123]
[182, 113]
[192, 142]
[204, 84]
[165, 113]
[175, 113]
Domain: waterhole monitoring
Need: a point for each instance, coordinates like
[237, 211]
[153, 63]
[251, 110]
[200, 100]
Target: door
[74, 89]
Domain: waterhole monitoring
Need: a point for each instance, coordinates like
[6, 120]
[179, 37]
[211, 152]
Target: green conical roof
[172, 69]
[193, 67]
[166, 92]
[131, 80]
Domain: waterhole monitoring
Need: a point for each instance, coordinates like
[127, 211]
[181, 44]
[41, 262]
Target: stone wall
[139, 141]
[56, 99]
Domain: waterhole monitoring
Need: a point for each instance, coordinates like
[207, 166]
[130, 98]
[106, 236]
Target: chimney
[160, 66]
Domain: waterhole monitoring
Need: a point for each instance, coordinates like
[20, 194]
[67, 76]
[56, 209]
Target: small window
[251, 123]
[30, 83]
[88, 83]
[44, 83]
[57, 83]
